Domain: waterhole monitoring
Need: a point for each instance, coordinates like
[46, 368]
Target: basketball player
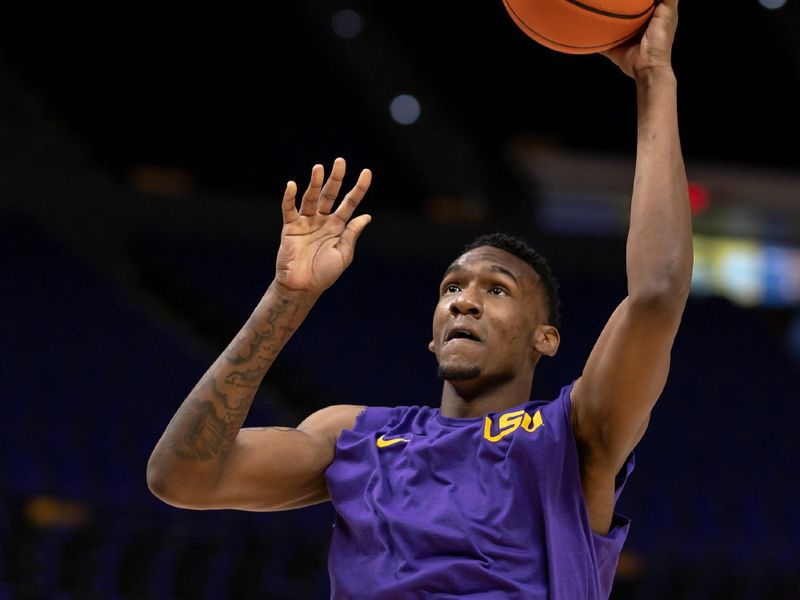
[490, 495]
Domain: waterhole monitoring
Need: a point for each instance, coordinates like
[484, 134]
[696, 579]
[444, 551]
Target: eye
[498, 291]
[452, 288]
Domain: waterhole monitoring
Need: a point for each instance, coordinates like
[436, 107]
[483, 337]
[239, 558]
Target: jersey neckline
[456, 422]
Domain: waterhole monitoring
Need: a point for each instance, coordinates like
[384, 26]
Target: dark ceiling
[246, 98]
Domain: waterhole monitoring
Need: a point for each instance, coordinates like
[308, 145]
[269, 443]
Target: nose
[467, 303]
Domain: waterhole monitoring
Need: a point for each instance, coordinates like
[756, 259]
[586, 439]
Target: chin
[458, 372]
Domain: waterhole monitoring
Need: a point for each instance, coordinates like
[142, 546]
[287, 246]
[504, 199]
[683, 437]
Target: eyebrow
[491, 269]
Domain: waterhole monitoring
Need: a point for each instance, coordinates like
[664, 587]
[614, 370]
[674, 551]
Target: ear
[546, 340]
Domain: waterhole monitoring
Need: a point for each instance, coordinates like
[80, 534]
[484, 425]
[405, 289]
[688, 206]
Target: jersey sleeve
[372, 418]
[607, 547]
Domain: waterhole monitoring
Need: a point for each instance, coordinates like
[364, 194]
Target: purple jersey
[490, 507]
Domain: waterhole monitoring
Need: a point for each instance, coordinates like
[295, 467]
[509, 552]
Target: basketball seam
[557, 43]
[606, 13]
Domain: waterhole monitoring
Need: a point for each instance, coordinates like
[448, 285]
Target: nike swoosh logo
[382, 443]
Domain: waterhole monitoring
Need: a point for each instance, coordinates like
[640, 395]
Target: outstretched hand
[317, 243]
[654, 48]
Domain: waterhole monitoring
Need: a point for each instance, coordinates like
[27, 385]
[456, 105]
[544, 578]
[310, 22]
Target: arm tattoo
[206, 436]
[212, 418]
[258, 345]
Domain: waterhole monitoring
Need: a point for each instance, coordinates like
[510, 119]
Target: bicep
[622, 380]
[278, 468]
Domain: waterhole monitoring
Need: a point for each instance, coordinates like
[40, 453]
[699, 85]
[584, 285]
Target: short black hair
[520, 248]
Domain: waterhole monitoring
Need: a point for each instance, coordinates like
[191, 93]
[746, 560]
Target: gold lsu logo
[508, 423]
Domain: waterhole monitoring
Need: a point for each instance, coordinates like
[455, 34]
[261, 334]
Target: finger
[331, 188]
[347, 244]
[308, 206]
[673, 12]
[354, 196]
[609, 55]
[288, 205]
[668, 9]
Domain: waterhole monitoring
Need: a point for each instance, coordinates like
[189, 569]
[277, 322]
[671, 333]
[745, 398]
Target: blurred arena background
[143, 152]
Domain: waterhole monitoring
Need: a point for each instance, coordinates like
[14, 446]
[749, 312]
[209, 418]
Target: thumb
[350, 235]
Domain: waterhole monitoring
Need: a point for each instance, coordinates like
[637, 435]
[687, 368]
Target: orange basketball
[581, 27]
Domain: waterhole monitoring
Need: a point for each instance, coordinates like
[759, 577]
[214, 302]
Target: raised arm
[204, 459]
[627, 369]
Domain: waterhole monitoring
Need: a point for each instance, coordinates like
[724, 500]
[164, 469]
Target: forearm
[193, 449]
[659, 250]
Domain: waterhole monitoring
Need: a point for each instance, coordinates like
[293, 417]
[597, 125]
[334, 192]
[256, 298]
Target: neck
[476, 398]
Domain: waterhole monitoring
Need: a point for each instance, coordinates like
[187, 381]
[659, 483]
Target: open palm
[317, 243]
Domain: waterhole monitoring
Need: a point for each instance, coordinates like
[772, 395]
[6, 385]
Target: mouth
[461, 333]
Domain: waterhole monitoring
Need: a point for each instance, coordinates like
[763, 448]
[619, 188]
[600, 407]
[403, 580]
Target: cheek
[439, 319]
[516, 334]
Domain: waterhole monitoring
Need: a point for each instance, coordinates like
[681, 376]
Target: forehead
[491, 259]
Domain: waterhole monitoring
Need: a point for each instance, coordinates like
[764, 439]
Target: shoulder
[331, 420]
[380, 417]
[560, 407]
